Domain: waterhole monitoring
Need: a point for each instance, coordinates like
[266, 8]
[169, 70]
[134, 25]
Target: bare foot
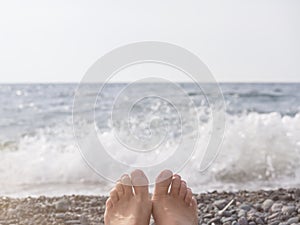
[174, 207]
[128, 207]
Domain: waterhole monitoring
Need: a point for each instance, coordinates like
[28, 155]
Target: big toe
[163, 182]
[140, 183]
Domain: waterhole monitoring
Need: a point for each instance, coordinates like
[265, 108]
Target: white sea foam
[258, 151]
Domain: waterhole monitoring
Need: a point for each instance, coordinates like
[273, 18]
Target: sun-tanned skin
[127, 205]
[174, 207]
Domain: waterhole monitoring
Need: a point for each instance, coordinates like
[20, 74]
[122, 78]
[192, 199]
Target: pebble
[220, 204]
[293, 220]
[242, 213]
[72, 222]
[245, 207]
[60, 215]
[208, 215]
[257, 206]
[297, 194]
[226, 213]
[267, 204]
[275, 222]
[62, 205]
[213, 220]
[258, 220]
[276, 207]
[228, 219]
[288, 209]
[274, 215]
[243, 221]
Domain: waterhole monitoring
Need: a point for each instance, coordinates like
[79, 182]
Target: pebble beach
[275, 207]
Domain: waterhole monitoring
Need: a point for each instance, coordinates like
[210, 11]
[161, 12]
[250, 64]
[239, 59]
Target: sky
[239, 40]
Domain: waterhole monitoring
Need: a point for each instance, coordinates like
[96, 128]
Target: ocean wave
[258, 150]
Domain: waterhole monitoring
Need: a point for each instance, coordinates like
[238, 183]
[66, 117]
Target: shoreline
[276, 207]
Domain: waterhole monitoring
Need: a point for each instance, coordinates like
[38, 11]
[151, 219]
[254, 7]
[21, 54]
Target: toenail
[176, 176]
[165, 174]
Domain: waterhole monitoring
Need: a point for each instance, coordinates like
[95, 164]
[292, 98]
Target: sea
[39, 154]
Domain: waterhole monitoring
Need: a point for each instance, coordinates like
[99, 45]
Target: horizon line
[126, 82]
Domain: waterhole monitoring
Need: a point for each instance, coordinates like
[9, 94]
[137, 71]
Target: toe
[194, 202]
[163, 182]
[183, 190]
[140, 183]
[114, 196]
[127, 186]
[175, 186]
[120, 190]
[188, 196]
[108, 203]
